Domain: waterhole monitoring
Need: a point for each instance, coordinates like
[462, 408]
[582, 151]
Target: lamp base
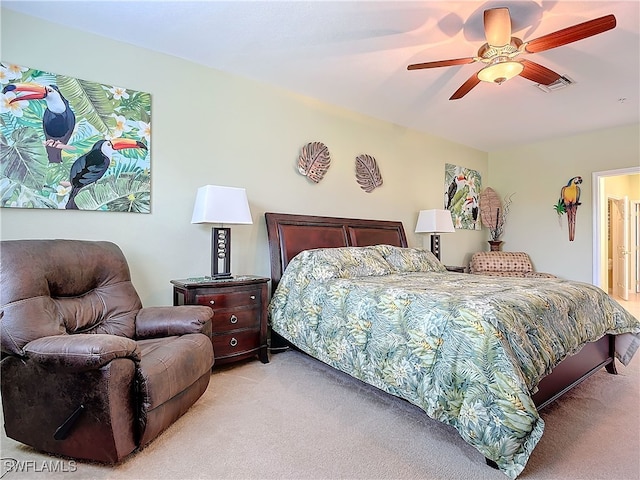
[435, 245]
[220, 253]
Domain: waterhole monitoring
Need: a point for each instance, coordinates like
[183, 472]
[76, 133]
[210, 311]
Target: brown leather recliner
[86, 371]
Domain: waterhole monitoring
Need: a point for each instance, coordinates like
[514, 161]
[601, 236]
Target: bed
[483, 354]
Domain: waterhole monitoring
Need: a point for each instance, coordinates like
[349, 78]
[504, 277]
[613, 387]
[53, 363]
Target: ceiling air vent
[563, 82]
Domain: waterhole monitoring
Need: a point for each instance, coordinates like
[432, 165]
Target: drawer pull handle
[233, 319]
[253, 297]
[212, 302]
[233, 342]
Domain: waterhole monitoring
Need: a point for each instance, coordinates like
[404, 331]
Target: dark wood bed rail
[575, 369]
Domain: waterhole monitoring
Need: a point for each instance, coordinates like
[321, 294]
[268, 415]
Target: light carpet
[296, 418]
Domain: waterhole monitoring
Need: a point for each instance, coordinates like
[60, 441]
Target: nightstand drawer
[236, 343]
[242, 298]
[226, 320]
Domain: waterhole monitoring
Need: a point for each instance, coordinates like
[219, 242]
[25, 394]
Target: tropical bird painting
[58, 120]
[461, 190]
[568, 203]
[72, 144]
[90, 167]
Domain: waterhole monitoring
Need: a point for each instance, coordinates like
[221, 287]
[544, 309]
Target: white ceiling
[355, 54]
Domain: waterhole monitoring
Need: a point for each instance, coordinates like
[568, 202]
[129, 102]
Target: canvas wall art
[73, 144]
[461, 191]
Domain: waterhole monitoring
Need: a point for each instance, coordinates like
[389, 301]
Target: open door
[619, 224]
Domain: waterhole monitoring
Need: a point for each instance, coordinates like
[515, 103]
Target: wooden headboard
[291, 234]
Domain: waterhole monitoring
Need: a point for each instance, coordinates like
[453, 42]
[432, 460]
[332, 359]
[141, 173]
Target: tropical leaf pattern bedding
[469, 350]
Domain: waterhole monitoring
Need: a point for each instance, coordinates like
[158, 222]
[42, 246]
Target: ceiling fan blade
[571, 34]
[497, 26]
[442, 63]
[466, 87]
[537, 73]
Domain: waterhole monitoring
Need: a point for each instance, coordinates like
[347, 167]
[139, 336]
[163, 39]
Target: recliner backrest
[57, 287]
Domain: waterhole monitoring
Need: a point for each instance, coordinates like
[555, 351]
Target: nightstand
[240, 313]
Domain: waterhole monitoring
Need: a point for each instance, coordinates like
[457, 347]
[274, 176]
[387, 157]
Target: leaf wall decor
[367, 173]
[490, 203]
[314, 161]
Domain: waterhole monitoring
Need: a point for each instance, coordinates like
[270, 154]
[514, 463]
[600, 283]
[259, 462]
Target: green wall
[248, 135]
[537, 172]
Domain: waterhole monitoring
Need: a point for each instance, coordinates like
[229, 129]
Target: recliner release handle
[63, 430]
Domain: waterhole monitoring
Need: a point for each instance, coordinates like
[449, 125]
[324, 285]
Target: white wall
[536, 173]
[246, 135]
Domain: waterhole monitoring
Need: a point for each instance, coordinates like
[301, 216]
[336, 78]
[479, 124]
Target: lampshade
[434, 221]
[500, 71]
[216, 204]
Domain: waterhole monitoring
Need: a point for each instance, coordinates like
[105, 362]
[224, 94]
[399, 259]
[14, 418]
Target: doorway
[616, 255]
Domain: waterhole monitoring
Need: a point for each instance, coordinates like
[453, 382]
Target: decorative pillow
[411, 259]
[342, 262]
[501, 262]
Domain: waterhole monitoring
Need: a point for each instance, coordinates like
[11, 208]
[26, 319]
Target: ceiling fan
[501, 51]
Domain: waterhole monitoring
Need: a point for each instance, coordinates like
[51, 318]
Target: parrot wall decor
[568, 203]
[73, 144]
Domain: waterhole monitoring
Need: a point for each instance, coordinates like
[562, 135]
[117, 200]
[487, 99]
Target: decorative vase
[495, 245]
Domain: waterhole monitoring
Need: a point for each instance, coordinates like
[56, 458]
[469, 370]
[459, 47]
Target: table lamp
[435, 222]
[221, 205]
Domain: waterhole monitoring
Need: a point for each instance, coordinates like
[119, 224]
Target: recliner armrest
[80, 352]
[153, 322]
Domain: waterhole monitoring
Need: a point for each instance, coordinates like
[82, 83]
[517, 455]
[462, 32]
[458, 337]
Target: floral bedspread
[467, 349]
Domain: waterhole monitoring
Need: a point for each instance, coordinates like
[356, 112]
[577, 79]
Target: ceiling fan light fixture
[501, 50]
[500, 71]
